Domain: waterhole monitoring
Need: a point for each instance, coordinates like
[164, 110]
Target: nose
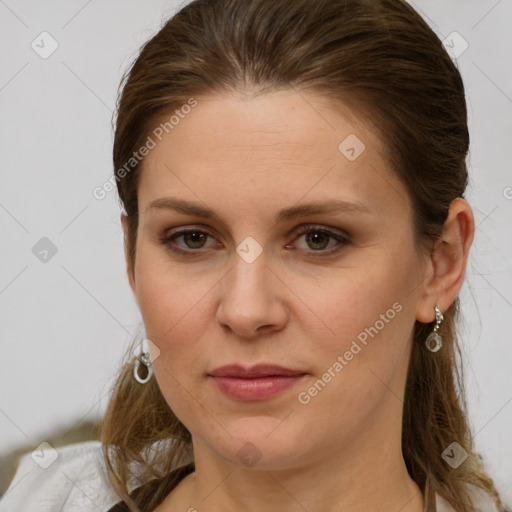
[252, 301]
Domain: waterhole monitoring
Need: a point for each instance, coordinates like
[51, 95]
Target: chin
[262, 443]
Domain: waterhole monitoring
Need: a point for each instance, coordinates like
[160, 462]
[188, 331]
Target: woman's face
[299, 253]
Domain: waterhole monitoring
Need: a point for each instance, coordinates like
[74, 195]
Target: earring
[143, 356]
[434, 341]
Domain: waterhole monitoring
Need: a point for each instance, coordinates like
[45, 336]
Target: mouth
[258, 382]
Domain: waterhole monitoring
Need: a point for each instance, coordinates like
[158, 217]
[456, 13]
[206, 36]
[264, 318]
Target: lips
[258, 382]
[257, 371]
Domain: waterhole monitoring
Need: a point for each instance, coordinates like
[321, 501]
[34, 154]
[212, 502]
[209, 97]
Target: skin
[245, 157]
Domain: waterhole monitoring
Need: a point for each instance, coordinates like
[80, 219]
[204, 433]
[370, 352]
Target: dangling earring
[434, 341]
[143, 356]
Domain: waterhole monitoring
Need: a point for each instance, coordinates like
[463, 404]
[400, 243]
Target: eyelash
[308, 229]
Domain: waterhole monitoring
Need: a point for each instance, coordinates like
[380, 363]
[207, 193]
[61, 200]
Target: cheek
[171, 302]
[360, 367]
[174, 310]
[370, 318]
[365, 304]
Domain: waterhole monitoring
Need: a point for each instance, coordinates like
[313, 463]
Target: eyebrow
[302, 210]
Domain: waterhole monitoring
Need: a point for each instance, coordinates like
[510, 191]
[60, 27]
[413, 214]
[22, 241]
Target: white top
[73, 478]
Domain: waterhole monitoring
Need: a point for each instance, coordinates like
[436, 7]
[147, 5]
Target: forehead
[270, 149]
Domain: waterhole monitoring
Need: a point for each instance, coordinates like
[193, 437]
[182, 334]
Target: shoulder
[70, 478]
[481, 501]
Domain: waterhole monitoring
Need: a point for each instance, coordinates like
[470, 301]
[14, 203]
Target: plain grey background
[66, 322]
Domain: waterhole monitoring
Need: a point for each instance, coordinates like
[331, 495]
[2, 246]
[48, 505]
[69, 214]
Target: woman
[292, 176]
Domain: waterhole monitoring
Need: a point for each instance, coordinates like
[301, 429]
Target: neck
[366, 473]
[312, 489]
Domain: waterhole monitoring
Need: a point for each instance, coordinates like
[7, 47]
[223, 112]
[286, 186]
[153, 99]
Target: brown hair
[378, 56]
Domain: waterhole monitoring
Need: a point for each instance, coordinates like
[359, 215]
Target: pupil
[316, 238]
[195, 237]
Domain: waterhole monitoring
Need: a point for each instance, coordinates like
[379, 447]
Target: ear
[129, 267]
[447, 265]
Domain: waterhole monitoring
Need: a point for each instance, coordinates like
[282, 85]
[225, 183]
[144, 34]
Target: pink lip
[255, 383]
[259, 370]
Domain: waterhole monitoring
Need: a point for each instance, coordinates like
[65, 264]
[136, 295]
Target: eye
[192, 238]
[322, 240]
[317, 238]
